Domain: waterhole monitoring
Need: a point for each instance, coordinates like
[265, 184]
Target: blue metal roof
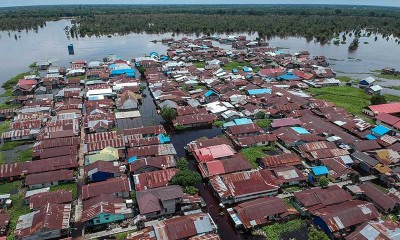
[370, 137]
[320, 170]
[229, 124]
[300, 130]
[259, 91]
[279, 52]
[241, 121]
[163, 139]
[380, 130]
[210, 92]
[234, 70]
[128, 71]
[247, 69]
[132, 159]
[288, 76]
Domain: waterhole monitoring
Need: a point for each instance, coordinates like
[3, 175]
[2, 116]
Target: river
[50, 43]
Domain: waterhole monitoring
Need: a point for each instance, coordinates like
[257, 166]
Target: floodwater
[50, 43]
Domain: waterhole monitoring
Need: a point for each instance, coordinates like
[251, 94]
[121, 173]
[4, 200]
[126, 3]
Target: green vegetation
[378, 99]
[3, 158]
[252, 153]
[199, 64]
[9, 84]
[122, 236]
[260, 115]
[190, 190]
[291, 189]
[133, 195]
[275, 230]
[218, 123]
[385, 76]
[18, 209]
[185, 177]
[141, 69]
[395, 87]
[349, 98]
[232, 65]
[24, 156]
[82, 77]
[67, 186]
[5, 126]
[320, 21]
[11, 145]
[323, 181]
[168, 113]
[8, 187]
[390, 216]
[264, 123]
[344, 79]
[315, 234]
[200, 87]
[179, 127]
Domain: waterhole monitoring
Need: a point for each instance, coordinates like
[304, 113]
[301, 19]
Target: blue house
[380, 130]
[105, 209]
[129, 72]
[367, 82]
[102, 170]
[289, 77]
[259, 91]
[300, 130]
[235, 70]
[247, 69]
[316, 173]
[239, 121]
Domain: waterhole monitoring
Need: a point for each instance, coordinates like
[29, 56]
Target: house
[108, 154]
[383, 202]
[244, 130]
[380, 130]
[389, 108]
[152, 151]
[154, 179]
[315, 198]
[193, 225]
[257, 140]
[154, 203]
[281, 160]
[374, 90]
[105, 209]
[48, 179]
[128, 100]
[260, 212]
[49, 222]
[39, 200]
[235, 163]
[213, 153]
[241, 186]
[289, 176]
[338, 168]
[4, 221]
[195, 120]
[316, 173]
[151, 164]
[366, 82]
[207, 142]
[375, 230]
[119, 187]
[334, 220]
[102, 170]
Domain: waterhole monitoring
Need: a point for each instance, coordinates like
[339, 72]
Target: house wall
[43, 185]
[100, 176]
[42, 235]
[237, 199]
[321, 223]
[103, 218]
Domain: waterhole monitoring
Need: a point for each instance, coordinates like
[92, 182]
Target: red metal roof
[322, 196]
[284, 159]
[112, 185]
[387, 118]
[386, 108]
[41, 199]
[48, 177]
[213, 152]
[284, 122]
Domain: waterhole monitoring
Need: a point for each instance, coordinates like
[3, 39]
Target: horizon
[25, 3]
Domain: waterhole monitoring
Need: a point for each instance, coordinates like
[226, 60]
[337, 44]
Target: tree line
[320, 22]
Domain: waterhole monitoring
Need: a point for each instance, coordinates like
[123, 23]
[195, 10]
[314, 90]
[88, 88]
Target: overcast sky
[9, 3]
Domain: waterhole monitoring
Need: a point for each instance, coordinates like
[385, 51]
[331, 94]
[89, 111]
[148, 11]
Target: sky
[11, 3]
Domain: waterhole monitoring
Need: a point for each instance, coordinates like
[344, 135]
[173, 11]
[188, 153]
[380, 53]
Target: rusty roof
[55, 152]
[322, 196]
[243, 183]
[111, 185]
[100, 145]
[152, 150]
[96, 137]
[154, 179]
[47, 218]
[245, 128]
[58, 142]
[48, 177]
[103, 166]
[195, 118]
[254, 139]
[41, 199]
[148, 130]
[258, 211]
[211, 236]
[366, 145]
[377, 197]
[232, 164]
[45, 165]
[346, 215]
[284, 159]
[106, 208]
[187, 110]
[161, 162]
[382, 230]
